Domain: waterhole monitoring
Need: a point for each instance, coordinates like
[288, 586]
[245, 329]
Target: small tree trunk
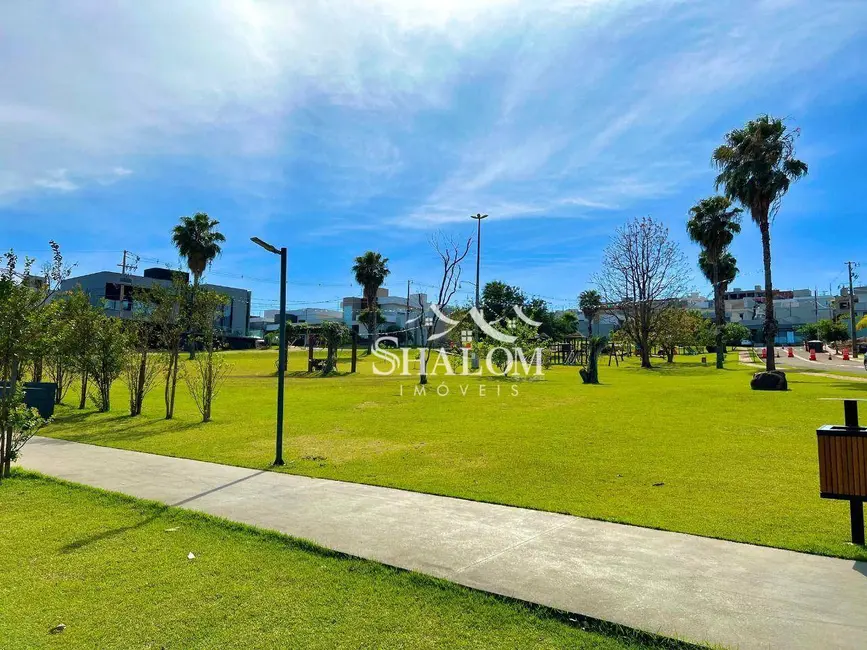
[174, 384]
[83, 401]
[670, 355]
[720, 316]
[422, 378]
[105, 393]
[140, 384]
[6, 468]
[59, 375]
[770, 321]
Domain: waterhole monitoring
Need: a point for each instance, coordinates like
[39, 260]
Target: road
[802, 360]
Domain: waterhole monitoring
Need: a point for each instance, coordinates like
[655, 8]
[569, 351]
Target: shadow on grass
[303, 374]
[123, 428]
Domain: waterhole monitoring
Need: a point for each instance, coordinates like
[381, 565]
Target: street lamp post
[478, 217]
[281, 354]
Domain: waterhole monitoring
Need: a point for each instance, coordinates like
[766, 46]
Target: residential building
[792, 309]
[115, 292]
[403, 312]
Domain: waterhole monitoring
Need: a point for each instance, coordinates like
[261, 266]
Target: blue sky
[336, 127]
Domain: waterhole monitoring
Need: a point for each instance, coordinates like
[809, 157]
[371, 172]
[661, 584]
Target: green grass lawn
[683, 447]
[115, 571]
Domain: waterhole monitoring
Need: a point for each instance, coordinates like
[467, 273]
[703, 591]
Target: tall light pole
[478, 217]
[281, 354]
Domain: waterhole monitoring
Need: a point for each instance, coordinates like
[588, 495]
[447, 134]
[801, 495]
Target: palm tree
[197, 240]
[713, 224]
[726, 270]
[756, 166]
[590, 304]
[370, 271]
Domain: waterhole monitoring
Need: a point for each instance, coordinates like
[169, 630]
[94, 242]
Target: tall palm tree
[590, 304]
[197, 240]
[713, 224]
[370, 271]
[726, 271]
[756, 166]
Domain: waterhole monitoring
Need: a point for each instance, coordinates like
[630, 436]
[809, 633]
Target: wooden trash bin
[843, 466]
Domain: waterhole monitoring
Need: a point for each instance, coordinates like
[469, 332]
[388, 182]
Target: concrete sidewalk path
[694, 588]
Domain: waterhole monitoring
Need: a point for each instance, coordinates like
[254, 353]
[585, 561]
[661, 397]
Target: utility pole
[123, 268]
[478, 217]
[852, 330]
[406, 316]
[816, 301]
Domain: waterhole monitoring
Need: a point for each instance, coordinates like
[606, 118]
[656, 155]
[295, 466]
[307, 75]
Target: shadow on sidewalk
[114, 532]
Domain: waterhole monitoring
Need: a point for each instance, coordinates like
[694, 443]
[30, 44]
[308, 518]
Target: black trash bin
[38, 395]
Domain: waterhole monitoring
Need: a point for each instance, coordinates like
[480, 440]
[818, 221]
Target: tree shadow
[303, 374]
[160, 511]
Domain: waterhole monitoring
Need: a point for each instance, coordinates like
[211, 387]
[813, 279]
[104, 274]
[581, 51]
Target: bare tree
[643, 274]
[452, 254]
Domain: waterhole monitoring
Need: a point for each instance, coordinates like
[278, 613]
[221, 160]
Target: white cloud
[56, 180]
[573, 98]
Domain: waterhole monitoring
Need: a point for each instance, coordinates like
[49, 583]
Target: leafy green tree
[23, 317]
[565, 324]
[862, 324]
[735, 333]
[590, 304]
[370, 271]
[831, 331]
[111, 343]
[83, 319]
[169, 308]
[713, 224]
[810, 331]
[677, 326]
[756, 166]
[58, 349]
[499, 298]
[527, 339]
[141, 368]
[207, 372]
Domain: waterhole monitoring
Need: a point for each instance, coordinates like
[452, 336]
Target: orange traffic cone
[812, 355]
[791, 353]
[764, 353]
[845, 354]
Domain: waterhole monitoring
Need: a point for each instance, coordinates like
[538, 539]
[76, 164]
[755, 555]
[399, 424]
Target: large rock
[772, 380]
